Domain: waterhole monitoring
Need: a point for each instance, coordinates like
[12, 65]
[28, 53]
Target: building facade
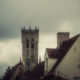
[30, 39]
[51, 53]
[64, 61]
[69, 67]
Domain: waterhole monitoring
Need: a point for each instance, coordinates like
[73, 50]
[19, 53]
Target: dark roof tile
[53, 53]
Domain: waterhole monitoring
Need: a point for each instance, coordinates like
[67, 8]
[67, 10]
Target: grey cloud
[45, 14]
[7, 32]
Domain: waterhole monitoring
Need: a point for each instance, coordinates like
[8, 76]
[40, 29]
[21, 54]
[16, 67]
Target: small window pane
[27, 43]
[32, 43]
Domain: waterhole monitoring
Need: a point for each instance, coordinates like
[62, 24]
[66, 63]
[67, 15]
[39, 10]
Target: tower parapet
[30, 31]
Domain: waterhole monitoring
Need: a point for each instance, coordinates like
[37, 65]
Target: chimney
[61, 37]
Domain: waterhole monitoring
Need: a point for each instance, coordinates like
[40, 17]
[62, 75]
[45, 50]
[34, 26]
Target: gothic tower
[30, 39]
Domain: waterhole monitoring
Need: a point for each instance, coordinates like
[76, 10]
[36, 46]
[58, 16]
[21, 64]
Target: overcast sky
[51, 16]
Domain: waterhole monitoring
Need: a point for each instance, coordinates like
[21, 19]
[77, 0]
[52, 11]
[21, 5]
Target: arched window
[32, 43]
[27, 43]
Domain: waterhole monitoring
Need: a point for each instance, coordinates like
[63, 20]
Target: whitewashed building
[50, 59]
[51, 56]
[65, 59]
[69, 67]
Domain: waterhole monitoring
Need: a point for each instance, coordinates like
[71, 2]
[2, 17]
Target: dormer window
[32, 43]
[27, 43]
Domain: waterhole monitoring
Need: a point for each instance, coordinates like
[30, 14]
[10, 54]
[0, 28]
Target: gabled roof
[62, 51]
[59, 52]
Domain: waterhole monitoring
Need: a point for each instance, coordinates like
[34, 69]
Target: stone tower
[30, 39]
[62, 36]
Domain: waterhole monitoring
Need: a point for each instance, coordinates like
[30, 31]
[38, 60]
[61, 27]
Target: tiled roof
[37, 72]
[16, 66]
[62, 51]
[58, 53]
[52, 53]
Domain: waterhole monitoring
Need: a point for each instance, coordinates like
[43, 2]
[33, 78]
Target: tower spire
[35, 27]
[29, 25]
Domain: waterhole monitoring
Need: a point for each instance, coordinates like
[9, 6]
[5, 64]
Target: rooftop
[62, 51]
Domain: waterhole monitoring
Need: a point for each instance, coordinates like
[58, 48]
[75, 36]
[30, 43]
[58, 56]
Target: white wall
[51, 62]
[69, 65]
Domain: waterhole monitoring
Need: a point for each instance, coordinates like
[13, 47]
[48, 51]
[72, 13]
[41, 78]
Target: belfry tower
[30, 39]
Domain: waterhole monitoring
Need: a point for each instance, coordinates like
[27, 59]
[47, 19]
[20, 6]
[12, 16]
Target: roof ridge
[74, 37]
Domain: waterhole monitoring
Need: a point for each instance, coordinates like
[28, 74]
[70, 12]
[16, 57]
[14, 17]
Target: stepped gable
[36, 72]
[62, 51]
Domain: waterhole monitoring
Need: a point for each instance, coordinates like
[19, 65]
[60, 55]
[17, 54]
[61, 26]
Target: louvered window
[27, 43]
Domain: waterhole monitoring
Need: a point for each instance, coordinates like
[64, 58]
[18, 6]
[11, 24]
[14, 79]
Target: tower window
[32, 43]
[27, 43]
